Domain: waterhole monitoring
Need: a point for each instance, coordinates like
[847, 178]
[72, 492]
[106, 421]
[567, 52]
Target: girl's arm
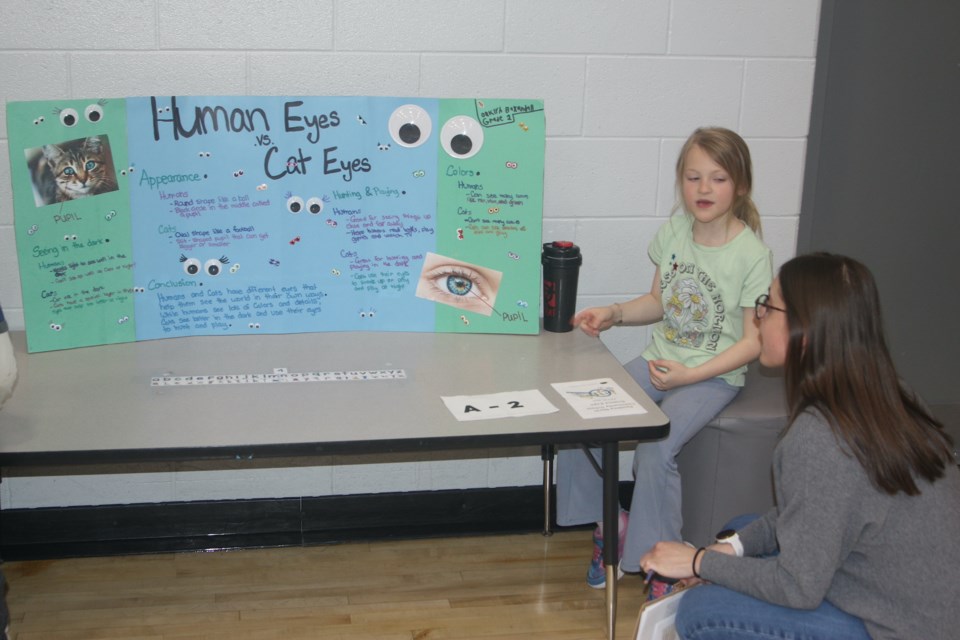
[668, 374]
[645, 309]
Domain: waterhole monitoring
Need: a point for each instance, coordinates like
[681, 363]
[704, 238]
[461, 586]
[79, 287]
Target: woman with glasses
[864, 541]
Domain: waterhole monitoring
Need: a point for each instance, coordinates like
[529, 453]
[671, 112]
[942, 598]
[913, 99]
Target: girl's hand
[668, 374]
[594, 320]
[670, 560]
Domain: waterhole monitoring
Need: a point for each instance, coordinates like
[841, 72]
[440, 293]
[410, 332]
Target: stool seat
[726, 468]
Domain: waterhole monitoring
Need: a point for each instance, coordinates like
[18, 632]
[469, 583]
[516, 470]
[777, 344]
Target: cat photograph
[71, 170]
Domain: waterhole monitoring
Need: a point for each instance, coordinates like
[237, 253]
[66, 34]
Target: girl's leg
[711, 612]
[579, 486]
[579, 501]
[655, 509]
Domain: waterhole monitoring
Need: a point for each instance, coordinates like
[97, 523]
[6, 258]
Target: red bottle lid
[561, 253]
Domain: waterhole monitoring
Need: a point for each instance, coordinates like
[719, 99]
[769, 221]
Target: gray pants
[655, 509]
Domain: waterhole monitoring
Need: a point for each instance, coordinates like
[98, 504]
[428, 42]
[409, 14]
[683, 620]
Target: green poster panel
[490, 203]
[70, 172]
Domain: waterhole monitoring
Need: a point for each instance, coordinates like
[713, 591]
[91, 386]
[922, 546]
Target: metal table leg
[611, 517]
[546, 454]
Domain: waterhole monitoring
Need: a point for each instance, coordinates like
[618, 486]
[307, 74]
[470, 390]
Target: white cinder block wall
[624, 83]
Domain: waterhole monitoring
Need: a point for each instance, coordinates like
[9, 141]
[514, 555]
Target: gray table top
[97, 404]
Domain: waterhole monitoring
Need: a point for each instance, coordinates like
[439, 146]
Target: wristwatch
[732, 538]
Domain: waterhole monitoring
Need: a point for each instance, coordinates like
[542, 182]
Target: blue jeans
[712, 612]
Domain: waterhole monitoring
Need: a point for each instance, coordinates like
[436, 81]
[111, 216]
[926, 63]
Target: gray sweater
[892, 561]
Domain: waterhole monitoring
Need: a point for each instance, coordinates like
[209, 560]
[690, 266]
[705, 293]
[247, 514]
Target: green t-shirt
[704, 291]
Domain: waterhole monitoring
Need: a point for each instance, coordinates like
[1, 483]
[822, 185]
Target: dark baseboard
[63, 532]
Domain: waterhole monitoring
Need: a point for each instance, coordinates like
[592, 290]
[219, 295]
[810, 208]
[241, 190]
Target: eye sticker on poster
[169, 216]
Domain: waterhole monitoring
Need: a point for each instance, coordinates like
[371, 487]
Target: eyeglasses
[761, 306]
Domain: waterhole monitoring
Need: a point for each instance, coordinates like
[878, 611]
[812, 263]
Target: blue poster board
[155, 217]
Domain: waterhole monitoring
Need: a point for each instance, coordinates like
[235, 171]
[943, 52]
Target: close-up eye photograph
[459, 284]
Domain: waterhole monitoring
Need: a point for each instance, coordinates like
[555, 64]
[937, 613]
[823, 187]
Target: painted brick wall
[624, 83]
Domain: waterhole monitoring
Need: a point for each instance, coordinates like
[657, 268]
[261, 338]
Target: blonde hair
[728, 150]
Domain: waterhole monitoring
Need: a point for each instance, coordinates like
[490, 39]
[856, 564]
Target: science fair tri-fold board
[168, 216]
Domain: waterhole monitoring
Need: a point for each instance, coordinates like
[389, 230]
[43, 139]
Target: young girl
[863, 540]
[710, 267]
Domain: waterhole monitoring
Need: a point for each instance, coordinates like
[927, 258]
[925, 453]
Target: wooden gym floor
[516, 587]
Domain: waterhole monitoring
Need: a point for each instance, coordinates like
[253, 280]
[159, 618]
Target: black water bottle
[561, 262]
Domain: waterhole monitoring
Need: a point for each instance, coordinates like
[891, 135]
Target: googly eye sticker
[93, 112]
[314, 205]
[191, 266]
[69, 117]
[410, 125]
[461, 137]
[295, 204]
[213, 267]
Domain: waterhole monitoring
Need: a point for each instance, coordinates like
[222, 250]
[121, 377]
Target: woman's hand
[675, 559]
[594, 320]
[670, 560]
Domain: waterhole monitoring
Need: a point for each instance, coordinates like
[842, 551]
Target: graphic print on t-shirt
[686, 316]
